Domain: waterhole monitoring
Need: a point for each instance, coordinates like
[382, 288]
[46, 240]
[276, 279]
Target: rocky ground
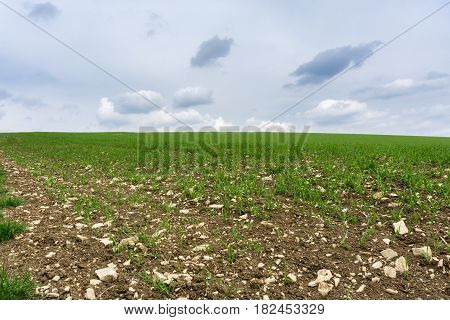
[296, 258]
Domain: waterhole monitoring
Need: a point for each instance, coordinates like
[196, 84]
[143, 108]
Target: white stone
[184, 211]
[129, 242]
[292, 277]
[375, 279]
[81, 238]
[400, 227]
[423, 252]
[94, 282]
[90, 294]
[391, 291]
[98, 225]
[401, 265]
[56, 278]
[387, 241]
[336, 281]
[216, 206]
[325, 288]
[50, 255]
[106, 241]
[361, 288]
[269, 280]
[389, 254]
[106, 274]
[202, 247]
[260, 265]
[377, 265]
[80, 226]
[323, 275]
[390, 272]
[266, 297]
[207, 258]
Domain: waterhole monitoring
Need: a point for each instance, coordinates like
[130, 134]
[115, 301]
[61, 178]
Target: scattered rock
[377, 195]
[106, 274]
[323, 275]
[400, 227]
[216, 206]
[50, 255]
[423, 252]
[94, 282]
[80, 226]
[391, 291]
[292, 277]
[269, 280]
[98, 225]
[260, 265]
[375, 279]
[202, 247]
[56, 278]
[387, 241]
[129, 242]
[393, 205]
[81, 238]
[361, 288]
[266, 297]
[377, 265]
[401, 265]
[390, 272]
[184, 211]
[336, 281]
[325, 288]
[389, 254]
[90, 294]
[106, 241]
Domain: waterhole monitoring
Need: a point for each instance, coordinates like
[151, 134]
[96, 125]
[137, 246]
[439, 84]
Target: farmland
[228, 215]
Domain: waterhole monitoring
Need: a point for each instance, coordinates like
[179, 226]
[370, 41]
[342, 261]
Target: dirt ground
[63, 254]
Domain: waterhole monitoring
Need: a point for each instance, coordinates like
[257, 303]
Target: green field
[412, 167]
[353, 186]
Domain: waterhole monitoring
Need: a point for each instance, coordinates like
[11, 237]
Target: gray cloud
[2, 113]
[406, 87]
[329, 63]
[132, 102]
[211, 50]
[4, 95]
[27, 102]
[44, 11]
[192, 96]
[155, 22]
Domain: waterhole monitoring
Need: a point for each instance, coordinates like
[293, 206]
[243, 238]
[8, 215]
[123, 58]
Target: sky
[216, 64]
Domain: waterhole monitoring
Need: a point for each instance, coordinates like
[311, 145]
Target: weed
[9, 228]
[16, 286]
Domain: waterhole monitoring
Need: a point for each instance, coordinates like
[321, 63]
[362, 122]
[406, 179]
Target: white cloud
[109, 115]
[330, 108]
[144, 101]
[260, 125]
[193, 96]
[406, 87]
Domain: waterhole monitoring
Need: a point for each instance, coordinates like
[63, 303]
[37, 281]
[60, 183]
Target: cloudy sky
[220, 63]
